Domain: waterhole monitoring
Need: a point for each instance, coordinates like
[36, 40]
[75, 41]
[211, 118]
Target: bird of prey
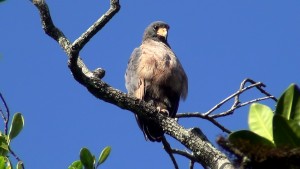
[154, 74]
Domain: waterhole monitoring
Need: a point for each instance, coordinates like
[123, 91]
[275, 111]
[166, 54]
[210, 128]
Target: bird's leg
[163, 111]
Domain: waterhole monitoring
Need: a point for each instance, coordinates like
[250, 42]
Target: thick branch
[203, 151]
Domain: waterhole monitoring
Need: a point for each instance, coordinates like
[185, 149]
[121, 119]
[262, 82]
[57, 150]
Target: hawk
[154, 74]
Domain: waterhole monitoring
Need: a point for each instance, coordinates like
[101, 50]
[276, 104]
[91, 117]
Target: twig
[15, 155]
[212, 120]
[168, 149]
[237, 104]
[260, 88]
[232, 96]
[192, 164]
[5, 119]
[209, 118]
[231, 110]
[184, 153]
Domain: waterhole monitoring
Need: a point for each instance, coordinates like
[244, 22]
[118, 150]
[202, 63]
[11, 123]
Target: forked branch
[236, 104]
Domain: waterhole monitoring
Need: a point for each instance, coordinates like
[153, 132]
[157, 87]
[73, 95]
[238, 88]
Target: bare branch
[97, 26]
[231, 110]
[237, 104]
[259, 88]
[48, 26]
[236, 95]
[184, 153]
[5, 117]
[168, 149]
[209, 118]
[192, 164]
[212, 120]
[16, 156]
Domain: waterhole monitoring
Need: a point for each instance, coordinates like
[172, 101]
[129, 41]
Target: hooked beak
[162, 32]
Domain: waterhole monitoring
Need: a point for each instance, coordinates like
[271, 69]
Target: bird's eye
[155, 27]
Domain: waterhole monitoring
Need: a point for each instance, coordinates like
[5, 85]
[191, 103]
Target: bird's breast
[159, 65]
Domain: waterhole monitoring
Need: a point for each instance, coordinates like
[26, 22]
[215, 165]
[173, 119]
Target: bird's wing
[184, 80]
[135, 85]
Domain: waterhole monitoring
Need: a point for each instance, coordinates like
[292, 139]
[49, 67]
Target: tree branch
[184, 153]
[236, 104]
[168, 149]
[203, 150]
[237, 94]
[97, 26]
[5, 117]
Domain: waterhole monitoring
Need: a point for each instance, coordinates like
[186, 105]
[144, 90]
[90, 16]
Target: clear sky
[218, 42]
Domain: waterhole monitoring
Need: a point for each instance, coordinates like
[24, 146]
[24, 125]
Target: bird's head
[157, 31]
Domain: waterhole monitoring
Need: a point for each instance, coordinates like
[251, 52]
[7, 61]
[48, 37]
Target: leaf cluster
[5, 140]
[274, 138]
[88, 161]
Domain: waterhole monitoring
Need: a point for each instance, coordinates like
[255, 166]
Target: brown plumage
[154, 74]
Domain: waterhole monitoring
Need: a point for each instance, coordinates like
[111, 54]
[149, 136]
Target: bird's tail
[151, 131]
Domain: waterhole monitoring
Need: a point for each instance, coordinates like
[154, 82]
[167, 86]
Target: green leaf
[286, 132]
[104, 154]
[87, 158]
[8, 164]
[16, 125]
[2, 162]
[3, 145]
[239, 138]
[288, 104]
[76, 165]
[260, 120]
[20, 165]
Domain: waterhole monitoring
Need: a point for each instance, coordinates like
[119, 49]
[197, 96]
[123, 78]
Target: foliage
[5, 139]
[281, 128]
[88, 161]
[16, 126]
[272, 135]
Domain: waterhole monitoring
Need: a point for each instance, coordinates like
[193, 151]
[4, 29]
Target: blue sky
[219, 43]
